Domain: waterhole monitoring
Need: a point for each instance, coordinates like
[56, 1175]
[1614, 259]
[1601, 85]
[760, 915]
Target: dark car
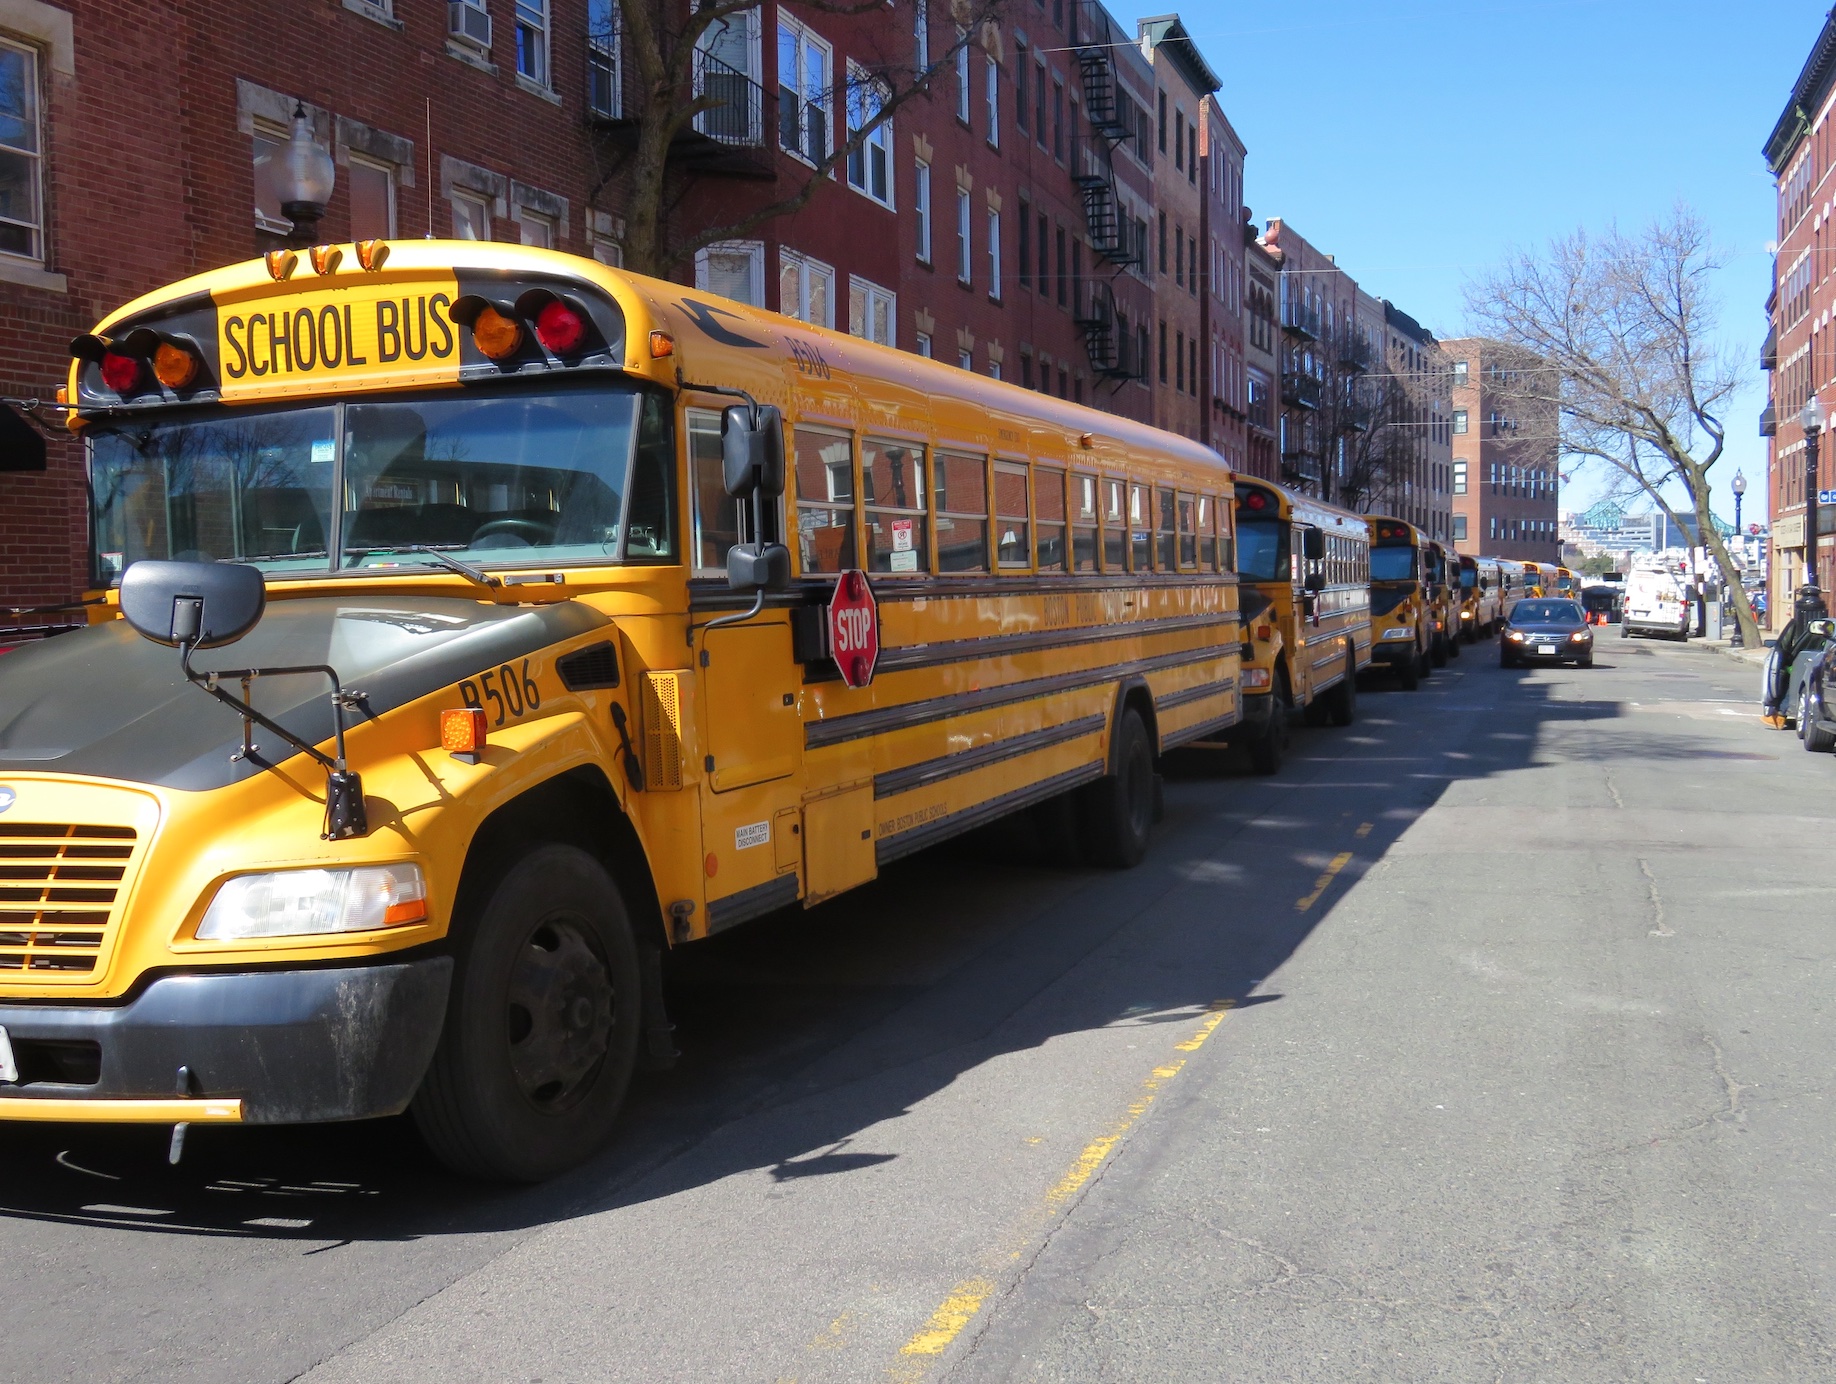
[1538, 630]
[1813, 703]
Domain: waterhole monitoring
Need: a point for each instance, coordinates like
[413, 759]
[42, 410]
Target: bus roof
[1292, 505]
[665, 333]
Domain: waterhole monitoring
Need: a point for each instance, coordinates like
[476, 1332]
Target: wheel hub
[559, 1015]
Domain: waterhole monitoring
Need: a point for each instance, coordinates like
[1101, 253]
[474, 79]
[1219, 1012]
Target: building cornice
[1807, 95]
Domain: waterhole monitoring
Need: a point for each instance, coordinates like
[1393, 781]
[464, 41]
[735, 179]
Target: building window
[1179, 361]
[1045, 249]
[991, 97]
[870, 162]
[1020, 87]
[924, 344]
[608, 251]
[963, 267]
[921, 204]
[994, 369]
[1039, 102]
[1459, 419]
[1179, 256]
[994, 255]
[1192, 153]
[471, 216]
[804, 67]
[962, 75]
[536, 229]
[1459, 372]
[1025, 243]
[921, 34]
[1026, 372]
[1163, 350]
[1192, 371]
[532, 40]
[21, 149]
[806, 289]
[1163, 123]
[872, 310]
[1064, 275]
[1179, 139]
[965, 359]
[270, 144]
[1163, 242]
[372, 199]
[1192, 263]
[1058, 120]
[735, 269]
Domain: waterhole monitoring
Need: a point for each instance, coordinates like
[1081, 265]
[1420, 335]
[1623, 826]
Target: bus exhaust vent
[58, 886]
[589, 668]
[663, 730]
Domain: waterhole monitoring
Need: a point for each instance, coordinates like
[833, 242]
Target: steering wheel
[527, 531]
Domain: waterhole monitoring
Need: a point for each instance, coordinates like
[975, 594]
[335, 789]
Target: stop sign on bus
[854, 628]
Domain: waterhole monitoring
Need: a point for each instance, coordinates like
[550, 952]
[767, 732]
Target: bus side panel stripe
[908, 656]
[751, 903]
[930, 771]
[890, 848]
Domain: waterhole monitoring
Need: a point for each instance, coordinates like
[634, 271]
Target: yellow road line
[966, 1298]
[1363, 831]
[1320, 885]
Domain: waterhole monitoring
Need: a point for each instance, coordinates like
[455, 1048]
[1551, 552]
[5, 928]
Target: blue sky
[1418, 139]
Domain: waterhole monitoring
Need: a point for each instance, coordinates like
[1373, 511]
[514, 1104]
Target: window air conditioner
[468, 22]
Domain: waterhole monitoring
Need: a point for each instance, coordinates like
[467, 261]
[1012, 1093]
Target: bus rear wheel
[542, 1023]
[1267, 752]
[1117, 811]
[1342, 701]
[1409, 672]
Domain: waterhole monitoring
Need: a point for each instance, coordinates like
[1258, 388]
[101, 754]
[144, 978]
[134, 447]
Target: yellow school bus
[1402, 599]
[1442, 591]
[493, 621]
[1566, 583]
[1306, 613]
[1479, 597]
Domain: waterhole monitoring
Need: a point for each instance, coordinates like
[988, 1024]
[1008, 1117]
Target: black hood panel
[103, 701]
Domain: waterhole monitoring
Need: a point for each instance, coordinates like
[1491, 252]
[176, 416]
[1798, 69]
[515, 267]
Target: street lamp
[306, 180]
[1739, 486]
[1811, 420]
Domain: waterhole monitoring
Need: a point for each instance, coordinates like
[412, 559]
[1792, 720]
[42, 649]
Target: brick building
[1261, 354]
[1504, 464]
[1317, 303]
[1223, 388]
[1800, 310]
[1421, 488]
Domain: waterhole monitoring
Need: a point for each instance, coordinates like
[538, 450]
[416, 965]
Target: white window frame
[473, 201]
[527, 219]
[805, 40]
[866, 300]
[866, 98]
[35, 156]
[924, 345]
[753, 250]
[712, 122]
[921, 34]
[991, 98]
[962, 75]
[994, 254]
[389, 172]
[807, 270]
[607, 251]
[534, 18]
[921, 201]
[965, 360]
[994, 369]
[264, 132]
[965, 248]
[605, 54]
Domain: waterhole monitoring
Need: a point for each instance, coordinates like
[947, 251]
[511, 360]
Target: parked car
[1542, 630]
[1819, 636]
[1811, 693]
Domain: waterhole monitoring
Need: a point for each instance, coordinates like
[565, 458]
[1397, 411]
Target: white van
[1656, 603]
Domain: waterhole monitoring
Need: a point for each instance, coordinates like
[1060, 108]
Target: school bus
[1402, 599]
[1540, 578]
[1566, 583]
[1479, 597]
[493, 621]
[1443, 596]
[1305, 566]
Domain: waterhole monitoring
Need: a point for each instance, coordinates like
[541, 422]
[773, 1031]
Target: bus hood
[101, 701]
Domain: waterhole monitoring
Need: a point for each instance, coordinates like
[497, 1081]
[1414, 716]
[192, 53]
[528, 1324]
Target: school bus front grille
[59, 885]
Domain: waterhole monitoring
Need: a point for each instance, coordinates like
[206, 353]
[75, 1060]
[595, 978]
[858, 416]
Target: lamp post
[306, 180]
[1739, 486]
[1811, 420]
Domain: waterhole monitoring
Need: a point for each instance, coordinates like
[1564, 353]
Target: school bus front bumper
[257, 1047]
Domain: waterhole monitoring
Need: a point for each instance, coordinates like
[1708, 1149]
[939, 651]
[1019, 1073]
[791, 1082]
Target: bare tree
[1618, 338]
[672, 79]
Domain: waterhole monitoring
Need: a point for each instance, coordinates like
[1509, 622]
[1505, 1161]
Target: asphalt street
[1490, 1040]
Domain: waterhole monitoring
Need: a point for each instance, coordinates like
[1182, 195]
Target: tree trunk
[1724, 560]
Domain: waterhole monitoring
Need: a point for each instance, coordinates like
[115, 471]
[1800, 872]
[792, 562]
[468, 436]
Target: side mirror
[1316, 581]
[200, 604]
[758, 567]
[752, 455]
[22, 446]
[1313, 544]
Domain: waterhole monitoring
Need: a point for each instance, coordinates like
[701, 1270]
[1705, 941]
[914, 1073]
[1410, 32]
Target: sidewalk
[1756, 657]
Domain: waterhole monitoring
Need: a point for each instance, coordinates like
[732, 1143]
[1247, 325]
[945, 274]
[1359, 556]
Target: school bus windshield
[1262, 549]
[551, 476]
[1392, 564]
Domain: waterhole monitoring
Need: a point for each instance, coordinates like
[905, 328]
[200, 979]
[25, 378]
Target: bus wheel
[1437, 652]
[1118, 809]
[1453, 645]
[1342, 701]
[542, 1024]
[1267, 753]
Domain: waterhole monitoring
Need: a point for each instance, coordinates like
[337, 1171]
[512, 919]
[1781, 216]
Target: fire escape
[1110, 232]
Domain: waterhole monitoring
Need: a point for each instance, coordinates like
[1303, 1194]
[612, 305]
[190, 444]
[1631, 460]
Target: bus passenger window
[1206, 511]
[1140, 537]
[825, 502]
[1011, 515]
[1049, 501]
[716, 515]
[1083, 523]
[1115, 529]
[1168, 547]
[1227, 537]
[892, 488]
[1188, 538]
[959, 489]
[650, 521]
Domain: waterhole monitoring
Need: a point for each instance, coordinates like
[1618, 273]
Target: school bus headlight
[1254, 678]
[299, 903]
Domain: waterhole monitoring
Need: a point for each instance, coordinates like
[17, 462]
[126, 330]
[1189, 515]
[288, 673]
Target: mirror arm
[758, 604]
[731, 393]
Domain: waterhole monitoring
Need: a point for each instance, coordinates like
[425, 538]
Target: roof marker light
[325, 258]
[371, 254]
[280, 263]
[662, 344]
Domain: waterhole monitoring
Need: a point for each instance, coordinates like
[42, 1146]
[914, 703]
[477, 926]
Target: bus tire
[542, 1025]
[1409, 673]
[1342, 701]
[1267, 753]
[1437, 652]
[1117, 811]
[1453, 646]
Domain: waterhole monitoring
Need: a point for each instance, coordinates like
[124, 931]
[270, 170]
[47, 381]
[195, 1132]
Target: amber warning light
[462, 732]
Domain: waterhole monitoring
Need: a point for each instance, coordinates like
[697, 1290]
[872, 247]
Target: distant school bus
[1402, 599]
[1443, 596]
[496, 620]
[1305, 568]
[1479, 597]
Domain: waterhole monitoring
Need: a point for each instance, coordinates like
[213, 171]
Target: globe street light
[306, 180]
[1739, 486]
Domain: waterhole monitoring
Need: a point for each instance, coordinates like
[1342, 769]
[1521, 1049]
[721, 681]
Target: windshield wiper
[439, 559]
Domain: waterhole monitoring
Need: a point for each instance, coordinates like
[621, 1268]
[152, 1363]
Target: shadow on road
[802, 1030]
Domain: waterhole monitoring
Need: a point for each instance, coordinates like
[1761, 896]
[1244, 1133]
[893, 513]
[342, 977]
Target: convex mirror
[200, 604]
[752, 452]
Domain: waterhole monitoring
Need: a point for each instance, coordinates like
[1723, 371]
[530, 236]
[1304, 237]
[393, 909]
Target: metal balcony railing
[733, 136]
[1300, 321]
[1299, 390]
[1769, 421]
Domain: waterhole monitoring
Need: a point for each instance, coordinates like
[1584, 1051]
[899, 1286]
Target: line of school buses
[572, 574]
